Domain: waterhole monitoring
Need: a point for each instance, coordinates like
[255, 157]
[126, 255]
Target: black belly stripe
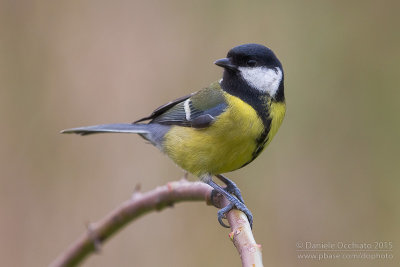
[263, 112]
[259, 101]
[233, 84]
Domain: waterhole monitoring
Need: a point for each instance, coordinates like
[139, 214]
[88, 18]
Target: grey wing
[197, 110]
[160, 110]
[185, 114]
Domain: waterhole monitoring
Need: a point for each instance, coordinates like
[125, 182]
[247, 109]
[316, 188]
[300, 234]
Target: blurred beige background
[331, 174]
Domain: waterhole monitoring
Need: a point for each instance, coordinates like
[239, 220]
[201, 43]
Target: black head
[256, 66]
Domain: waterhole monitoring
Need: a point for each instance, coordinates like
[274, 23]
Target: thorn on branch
[170, 187]
[136, 191]
[93, 237]
[185, 176]
[231, 235]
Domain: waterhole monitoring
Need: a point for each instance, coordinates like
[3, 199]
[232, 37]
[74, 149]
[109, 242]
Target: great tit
[222, 127]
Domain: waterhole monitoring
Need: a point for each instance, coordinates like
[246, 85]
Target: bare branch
[242, 237]
[158, 199]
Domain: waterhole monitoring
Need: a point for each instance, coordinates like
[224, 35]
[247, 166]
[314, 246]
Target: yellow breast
[225, 146]
[277, 113]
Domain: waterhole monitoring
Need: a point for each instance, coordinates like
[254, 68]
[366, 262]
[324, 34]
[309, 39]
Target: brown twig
[158, 199]
[242, 237]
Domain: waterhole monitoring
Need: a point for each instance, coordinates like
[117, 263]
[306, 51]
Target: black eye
[251, 63]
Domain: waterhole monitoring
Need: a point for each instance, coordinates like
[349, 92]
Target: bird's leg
[231, 187]
[234, 202]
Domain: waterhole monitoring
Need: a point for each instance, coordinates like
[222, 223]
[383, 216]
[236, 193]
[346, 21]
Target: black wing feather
[160, 110]
[199, 112]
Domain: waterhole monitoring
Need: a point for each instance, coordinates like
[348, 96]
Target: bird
[220, 128]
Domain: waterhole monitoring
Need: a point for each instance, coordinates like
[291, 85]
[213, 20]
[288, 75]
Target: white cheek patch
[262, 78]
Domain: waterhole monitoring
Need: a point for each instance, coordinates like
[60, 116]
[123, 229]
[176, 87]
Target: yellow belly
[225, 146]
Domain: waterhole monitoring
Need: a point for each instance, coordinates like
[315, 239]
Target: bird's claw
[235, 198]
[240, 206]
[231, 187]
[222, 214]
[233, 204]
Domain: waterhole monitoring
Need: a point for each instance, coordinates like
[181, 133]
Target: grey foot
[234, 203]
[231, 187]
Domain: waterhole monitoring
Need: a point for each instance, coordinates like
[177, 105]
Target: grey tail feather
[110, 128]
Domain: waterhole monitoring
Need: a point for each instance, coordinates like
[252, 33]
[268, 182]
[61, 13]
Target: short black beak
[225, 63]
